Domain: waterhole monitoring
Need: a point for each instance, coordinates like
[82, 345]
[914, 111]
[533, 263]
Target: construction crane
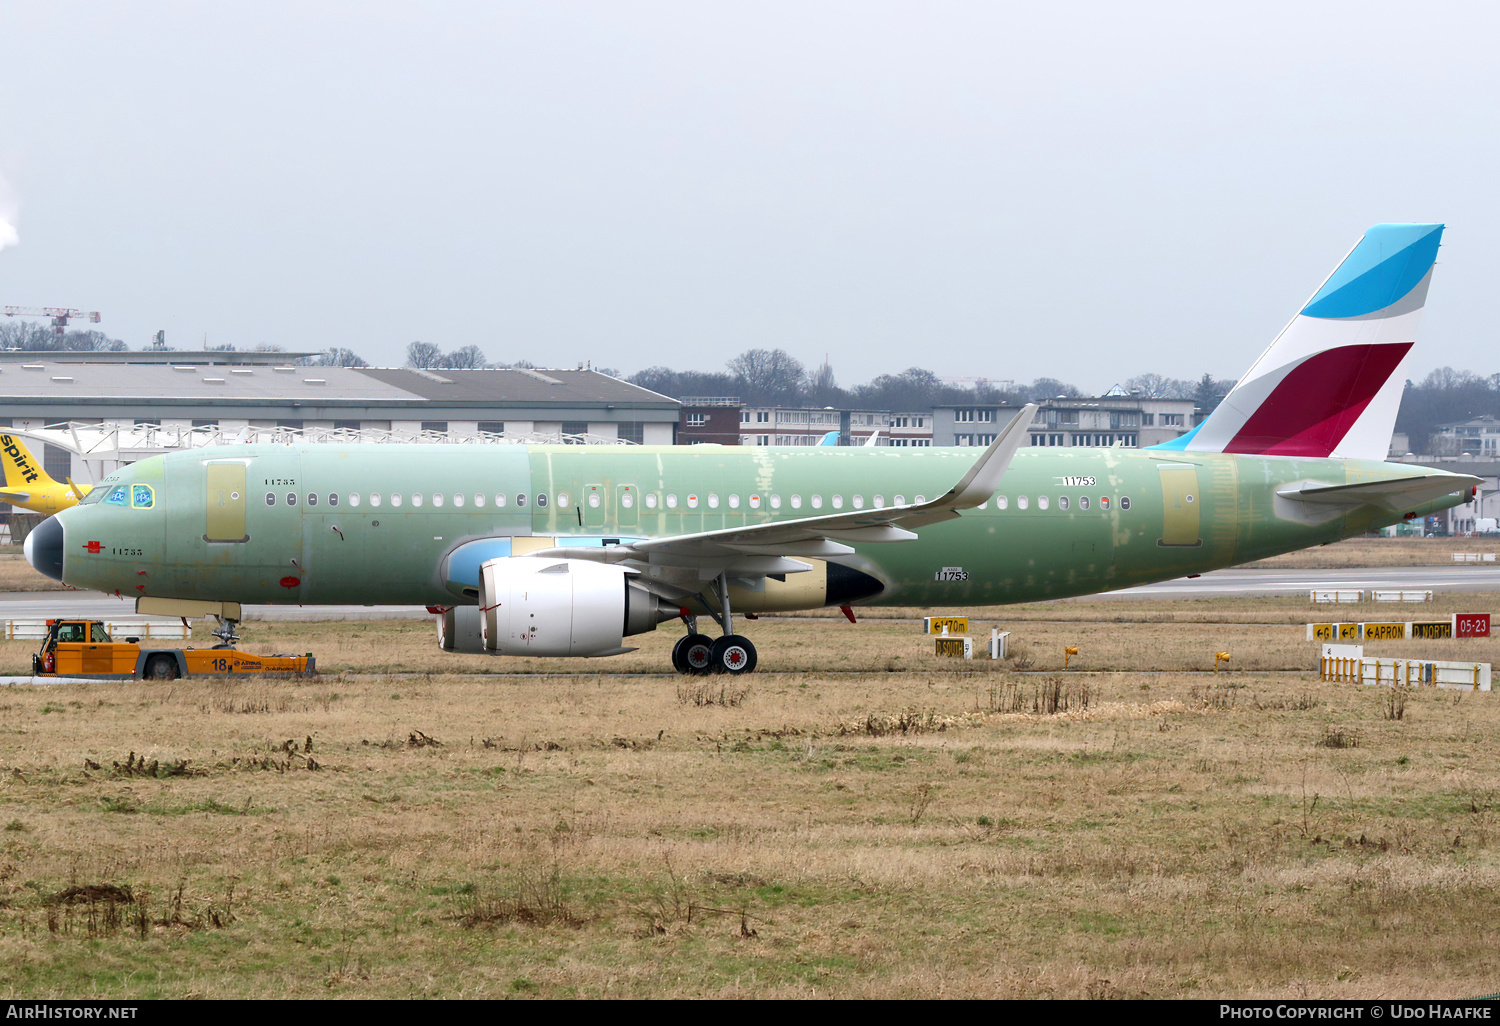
[59, 314]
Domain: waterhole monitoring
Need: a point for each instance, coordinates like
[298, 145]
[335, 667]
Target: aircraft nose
[44, 548]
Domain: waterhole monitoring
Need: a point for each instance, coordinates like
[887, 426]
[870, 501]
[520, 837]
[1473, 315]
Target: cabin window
[593, 500]
[291, 498]
[437, 498]
[395, 498]
[1062, 502]
[416, 499]
[541, 500]
[479, 498]
[921, 499]
[796, 502]
[775, 501]
[374, 498]
[901, 500]
[458, 498]
[859, 502]
[354, 498]
[879, 501]
[333, 498]
[520, 498]
[1083, 502]
[734, 502]
[692, 502]
[671, 500]
[755, 502]
[1041, 502]
[141, 496]
[270, 497]
[817, 502]
[650, 500]
[838, 502]
[1124, 502]
[713, 500]
[627, 499]
[562, 499]
[1104, 502]
[499, 500]
[312, 498]
[1001, 502]
[1021, 502]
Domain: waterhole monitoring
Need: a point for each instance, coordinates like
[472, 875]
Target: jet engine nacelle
[563, 607]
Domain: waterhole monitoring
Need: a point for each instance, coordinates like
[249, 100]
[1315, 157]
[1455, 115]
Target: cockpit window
[96, 494]
[142, 497]
[118, 496]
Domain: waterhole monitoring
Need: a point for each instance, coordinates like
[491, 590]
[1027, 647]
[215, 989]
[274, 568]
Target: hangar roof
[64, 381]
[514, 385]
[69, 381]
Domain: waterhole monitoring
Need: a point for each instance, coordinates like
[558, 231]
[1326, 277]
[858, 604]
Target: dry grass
[1379, 552]
[17, 575]
[852, 829]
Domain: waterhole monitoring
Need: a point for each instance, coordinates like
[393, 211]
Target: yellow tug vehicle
[83, 648]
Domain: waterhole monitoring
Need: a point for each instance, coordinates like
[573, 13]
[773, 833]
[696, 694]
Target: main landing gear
[700, 654]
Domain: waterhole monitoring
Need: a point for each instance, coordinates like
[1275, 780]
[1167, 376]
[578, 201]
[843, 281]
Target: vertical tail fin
[22, 470]
[1328, 385]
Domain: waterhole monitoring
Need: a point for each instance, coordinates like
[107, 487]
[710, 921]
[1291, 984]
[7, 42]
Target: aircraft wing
[764, 548]
[1396, 493]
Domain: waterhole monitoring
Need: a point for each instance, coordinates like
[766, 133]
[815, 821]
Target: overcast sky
[1079, 191]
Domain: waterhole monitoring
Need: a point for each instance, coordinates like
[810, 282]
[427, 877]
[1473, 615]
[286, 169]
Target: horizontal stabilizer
[1394, 494]
[15, 497]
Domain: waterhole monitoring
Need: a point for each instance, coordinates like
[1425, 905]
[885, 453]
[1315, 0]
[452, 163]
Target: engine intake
[562, 607]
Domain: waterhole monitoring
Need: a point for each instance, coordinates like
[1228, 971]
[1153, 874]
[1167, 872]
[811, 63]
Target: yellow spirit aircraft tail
[27, 484]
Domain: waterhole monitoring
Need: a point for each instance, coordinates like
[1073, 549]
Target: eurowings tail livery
[569, 550]
[27, 484]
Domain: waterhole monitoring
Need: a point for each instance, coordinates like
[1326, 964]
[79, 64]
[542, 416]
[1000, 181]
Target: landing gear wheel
[693, 654]
[679, 654]
[161, 667]
[733, 654]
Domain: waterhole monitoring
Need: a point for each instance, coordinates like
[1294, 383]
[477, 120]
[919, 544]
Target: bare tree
[768, 376]
[423, 355]
[334, 357]
[467, 358]
[821, 389]
[1157, 386]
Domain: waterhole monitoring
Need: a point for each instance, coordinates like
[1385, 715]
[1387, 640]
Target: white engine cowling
[459, 630]
[562, 607]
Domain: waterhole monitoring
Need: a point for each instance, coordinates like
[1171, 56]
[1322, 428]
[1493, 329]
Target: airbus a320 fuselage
[566, 550]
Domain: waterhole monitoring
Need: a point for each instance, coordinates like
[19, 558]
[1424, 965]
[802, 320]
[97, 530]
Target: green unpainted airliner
[568, 550]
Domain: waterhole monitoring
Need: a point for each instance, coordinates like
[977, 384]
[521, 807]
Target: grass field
[870, 822]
